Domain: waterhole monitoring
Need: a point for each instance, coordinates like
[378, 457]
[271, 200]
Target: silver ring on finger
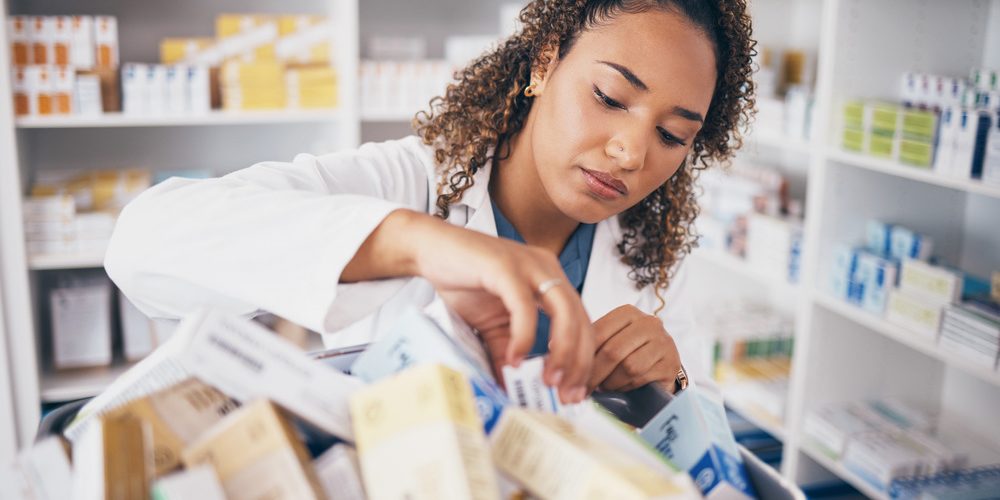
[547, 285]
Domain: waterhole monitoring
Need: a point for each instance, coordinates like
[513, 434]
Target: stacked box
[248, 37]
[972, 332]
[106, 41]
[183, 50]
[253, 86]
[256, 450]
[20, 40]
[693, 433]
[311, 87]
[113, 460]
[553, 460]
[884, 122]
[853, 133]
[197, 482]
[176, 417]
[428, 408]
[417, 340]
[304, 40]
[917, 143]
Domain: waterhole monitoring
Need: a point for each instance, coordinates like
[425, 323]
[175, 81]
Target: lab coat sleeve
[679, 321]
[273, 237]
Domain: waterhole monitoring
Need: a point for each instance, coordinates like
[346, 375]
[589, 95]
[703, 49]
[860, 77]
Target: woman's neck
[517, 190]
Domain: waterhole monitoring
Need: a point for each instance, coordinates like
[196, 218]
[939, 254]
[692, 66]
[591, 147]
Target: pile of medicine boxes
[748, 213]
[63, 64]
[892, 276]
[884, 440]
[949, 125]
[70, 65]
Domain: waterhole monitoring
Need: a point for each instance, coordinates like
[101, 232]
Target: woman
[577, 140]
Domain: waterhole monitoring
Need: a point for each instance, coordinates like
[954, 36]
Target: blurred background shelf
[739, 266]
[214, 118]
[778, 140]
[50, 262]
[765, 421]
[924, 175]
[80, 383]
[845, 474]
[386, 117]
[906, 337]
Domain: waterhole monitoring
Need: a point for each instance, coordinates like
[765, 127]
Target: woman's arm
[289, 238]
[274, 237]
[492, 284]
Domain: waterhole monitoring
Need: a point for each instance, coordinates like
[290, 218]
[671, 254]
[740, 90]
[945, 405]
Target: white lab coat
[276, 236]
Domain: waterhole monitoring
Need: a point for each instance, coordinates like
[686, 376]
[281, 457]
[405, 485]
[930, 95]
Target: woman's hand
[493, 285]
[633, 349]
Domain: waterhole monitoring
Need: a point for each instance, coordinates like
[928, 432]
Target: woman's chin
[586, 210]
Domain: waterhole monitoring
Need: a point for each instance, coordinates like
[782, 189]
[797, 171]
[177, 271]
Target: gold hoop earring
[531, 90]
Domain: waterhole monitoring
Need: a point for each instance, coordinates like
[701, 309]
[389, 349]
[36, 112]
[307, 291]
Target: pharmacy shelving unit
[219, 142]
[843, 353]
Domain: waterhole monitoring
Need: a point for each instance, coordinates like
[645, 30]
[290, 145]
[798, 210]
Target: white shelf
[81, 383]
[213, 118]
[904, 336]
[778, 140]
[919, 174]
[80, 261]
[387, 117]
[845, 474]
[740, 266]
[766, 422]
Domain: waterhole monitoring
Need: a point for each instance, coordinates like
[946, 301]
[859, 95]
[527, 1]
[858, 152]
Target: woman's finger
[613, 352]
[636, 370]
[615, 321]
[565, 367]
[518, 299]
[497, 341]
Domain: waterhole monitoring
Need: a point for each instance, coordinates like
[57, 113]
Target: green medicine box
[916, 153]
[920, 125]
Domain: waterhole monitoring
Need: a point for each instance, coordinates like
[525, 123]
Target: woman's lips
[604, 185]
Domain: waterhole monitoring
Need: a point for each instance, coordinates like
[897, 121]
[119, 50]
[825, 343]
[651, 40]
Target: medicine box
[417, 340]
[253, 450]
[693, 433]
[80, 314]
[429, 408]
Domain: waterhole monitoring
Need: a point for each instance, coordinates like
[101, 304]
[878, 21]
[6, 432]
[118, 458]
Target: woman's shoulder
[406, 153]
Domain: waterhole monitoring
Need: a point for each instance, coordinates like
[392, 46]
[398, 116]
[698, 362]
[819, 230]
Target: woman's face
[618, 114]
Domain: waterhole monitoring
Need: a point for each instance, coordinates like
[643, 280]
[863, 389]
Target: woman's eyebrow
[628, 74]
[639, 84]
[687, 113]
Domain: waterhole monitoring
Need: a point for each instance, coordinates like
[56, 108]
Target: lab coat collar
[607, 285]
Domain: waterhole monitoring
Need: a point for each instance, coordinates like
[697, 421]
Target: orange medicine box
[19, 86]
[20, 42]
[63, 82]
[41, 31]
[106, 38]
[39, 83]
[62, 36]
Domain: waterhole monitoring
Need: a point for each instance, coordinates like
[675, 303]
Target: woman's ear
[544, 66]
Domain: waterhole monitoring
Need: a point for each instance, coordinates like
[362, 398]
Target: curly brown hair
[473, 122]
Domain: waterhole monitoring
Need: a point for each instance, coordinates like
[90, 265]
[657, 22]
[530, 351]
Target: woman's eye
[607, 101]
[670, 139]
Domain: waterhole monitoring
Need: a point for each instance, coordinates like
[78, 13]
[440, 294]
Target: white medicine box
[80, 312]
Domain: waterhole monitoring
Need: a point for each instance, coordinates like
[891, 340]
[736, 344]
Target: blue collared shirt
[574, 258]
